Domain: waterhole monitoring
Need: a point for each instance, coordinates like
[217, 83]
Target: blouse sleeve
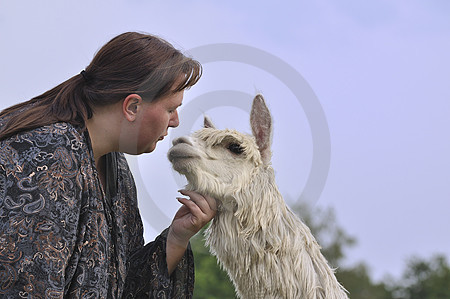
[148, 275]
[39, 208]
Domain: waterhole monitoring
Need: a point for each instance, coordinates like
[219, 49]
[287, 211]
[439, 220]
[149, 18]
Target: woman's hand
[195, 213]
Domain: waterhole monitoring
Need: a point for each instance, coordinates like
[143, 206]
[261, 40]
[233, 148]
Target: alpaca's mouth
[182, 151]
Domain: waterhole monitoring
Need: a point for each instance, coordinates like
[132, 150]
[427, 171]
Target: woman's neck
[103, 131]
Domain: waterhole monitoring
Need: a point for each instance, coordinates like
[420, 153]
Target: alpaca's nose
[182, 140]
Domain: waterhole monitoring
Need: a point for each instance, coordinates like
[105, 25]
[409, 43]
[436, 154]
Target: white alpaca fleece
[264, 247]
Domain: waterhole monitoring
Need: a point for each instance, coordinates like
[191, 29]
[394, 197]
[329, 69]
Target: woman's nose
[174, 121]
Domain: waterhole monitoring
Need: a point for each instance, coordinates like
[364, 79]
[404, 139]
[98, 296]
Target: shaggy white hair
[264, 247]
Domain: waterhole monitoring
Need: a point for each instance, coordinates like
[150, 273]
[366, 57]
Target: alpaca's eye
[235, 148]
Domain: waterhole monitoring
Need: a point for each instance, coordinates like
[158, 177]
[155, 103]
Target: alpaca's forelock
[213, 137]
[209, 174]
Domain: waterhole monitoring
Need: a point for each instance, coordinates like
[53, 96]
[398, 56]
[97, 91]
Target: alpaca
[264, 247]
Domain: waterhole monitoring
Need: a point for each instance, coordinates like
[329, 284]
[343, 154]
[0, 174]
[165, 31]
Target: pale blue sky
[380, 69]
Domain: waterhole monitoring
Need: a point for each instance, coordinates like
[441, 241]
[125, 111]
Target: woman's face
[153, 122]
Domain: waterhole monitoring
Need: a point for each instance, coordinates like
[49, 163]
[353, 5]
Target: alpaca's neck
[258, 222]
[259, 241]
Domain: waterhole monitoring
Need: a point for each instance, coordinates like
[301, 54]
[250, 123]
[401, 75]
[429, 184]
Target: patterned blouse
[62, 236]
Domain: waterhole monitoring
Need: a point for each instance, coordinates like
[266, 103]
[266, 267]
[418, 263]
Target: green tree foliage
[359, 284]
[425, 279]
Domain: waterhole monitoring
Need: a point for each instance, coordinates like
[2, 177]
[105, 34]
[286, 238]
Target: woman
[69, 221]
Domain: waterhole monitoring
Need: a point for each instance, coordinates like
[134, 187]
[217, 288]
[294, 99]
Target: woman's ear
[131, 106]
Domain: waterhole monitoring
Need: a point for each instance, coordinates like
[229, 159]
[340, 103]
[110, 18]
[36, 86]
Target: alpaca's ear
[207, 123]
[261, 123]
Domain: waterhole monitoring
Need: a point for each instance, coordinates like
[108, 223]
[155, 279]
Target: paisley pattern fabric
[62, 236]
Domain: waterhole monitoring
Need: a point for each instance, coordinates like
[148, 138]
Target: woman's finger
[191, 205]
[199, 218]
[206, 203]
[211, 202]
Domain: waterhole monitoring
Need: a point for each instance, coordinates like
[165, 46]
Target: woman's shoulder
[58, 128]
[55, 147]
[60, 134]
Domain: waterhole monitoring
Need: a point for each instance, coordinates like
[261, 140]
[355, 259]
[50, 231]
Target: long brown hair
[130, 63]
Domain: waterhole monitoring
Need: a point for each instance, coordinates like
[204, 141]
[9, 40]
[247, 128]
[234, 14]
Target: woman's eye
[235, 148]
